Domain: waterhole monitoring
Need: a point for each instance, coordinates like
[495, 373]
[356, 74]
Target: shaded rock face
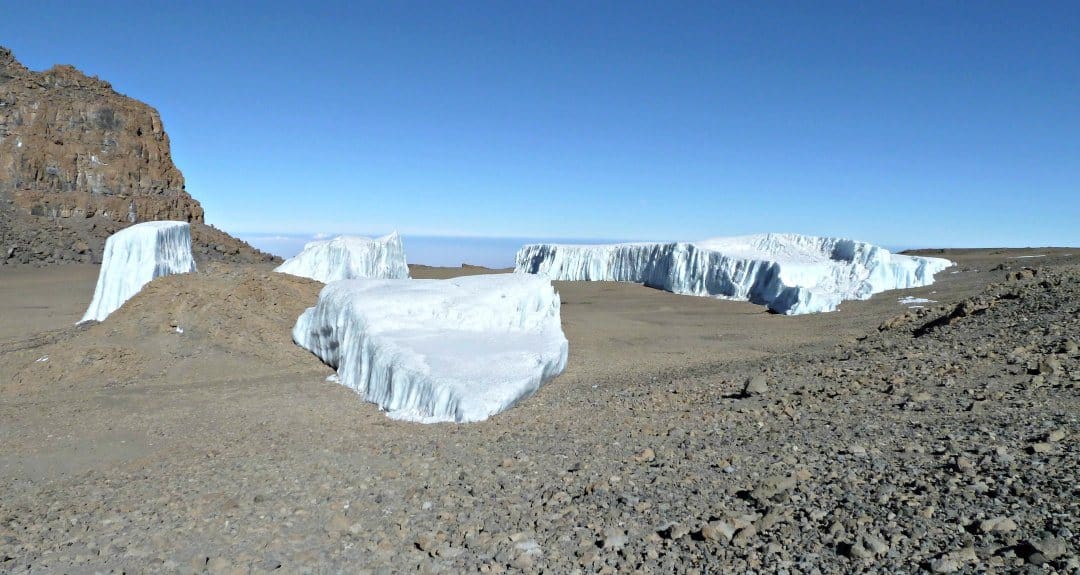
[78, 161]
[70, 146]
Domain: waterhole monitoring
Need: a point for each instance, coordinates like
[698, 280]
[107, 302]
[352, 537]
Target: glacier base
[458, 350]
[788, 273]
[134, 256]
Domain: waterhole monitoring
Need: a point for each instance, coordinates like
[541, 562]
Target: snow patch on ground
[789, 273]
[913, 300]
[460, 349]
[1028, 257]
[134, 256]
[349, 257]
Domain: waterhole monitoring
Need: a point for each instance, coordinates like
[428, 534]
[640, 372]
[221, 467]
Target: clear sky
[903, 124]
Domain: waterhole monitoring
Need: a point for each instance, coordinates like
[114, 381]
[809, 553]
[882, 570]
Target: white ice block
[349, 257]
[460, 349]
[789, 273]
[134, 256]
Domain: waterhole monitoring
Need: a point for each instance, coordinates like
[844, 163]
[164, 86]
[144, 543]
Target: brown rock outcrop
[79, 161]
[71, 146]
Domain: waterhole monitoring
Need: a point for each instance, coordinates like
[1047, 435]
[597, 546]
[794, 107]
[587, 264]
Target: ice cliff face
[461, 349]
[789, 273]
[349, 257]
[133, 257]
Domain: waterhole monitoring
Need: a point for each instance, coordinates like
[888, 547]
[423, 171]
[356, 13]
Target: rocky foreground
[943, 441]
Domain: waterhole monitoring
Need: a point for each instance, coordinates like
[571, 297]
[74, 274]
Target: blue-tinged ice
[788, 273]
[349, 257]
[460, 349]
[134, 256]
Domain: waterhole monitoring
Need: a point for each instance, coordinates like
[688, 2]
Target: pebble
[757, 385]
[1000, 524]
[718, 531]
[875, 544]
[645, 456]
[528, 547]
[857, 551]
[674, 530]
[1050, 547]
[614, 538]
[944, 564]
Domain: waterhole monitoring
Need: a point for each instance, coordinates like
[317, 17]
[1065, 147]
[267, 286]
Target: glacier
[134, 256]
[459, 350]
[789, 273]
[349, 257]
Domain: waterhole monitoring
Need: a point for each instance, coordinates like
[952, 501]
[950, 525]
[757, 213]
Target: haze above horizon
[907, 124]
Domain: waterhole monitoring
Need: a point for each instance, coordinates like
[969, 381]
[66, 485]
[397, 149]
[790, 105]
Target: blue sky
[903, 124]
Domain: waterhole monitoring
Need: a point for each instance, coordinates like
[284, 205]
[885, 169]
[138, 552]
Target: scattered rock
[614, 538]
[1050, 547]
[945, 564]
[857, 551]
[1001, 524]
[645, 456]
[876, 545]
[718, 531]
[530, 547]
[757, 385]
[921, 396]
[673, 530]
[857, 483]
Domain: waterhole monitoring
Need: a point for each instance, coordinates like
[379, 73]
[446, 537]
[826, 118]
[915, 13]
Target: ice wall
[134, 256]
[789, 273]
[349, 257]
[461, 349]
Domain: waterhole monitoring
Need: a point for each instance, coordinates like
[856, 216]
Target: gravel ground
[687, 436]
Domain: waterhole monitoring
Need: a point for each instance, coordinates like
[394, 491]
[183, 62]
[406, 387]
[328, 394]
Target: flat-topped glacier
[349, 257]
[460, 349]
[134, 256]
[789, 273]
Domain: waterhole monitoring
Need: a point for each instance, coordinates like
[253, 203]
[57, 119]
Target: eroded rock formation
[79, 161]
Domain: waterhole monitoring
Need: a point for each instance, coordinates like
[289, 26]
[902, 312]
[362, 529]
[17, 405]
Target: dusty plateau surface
[188, 434]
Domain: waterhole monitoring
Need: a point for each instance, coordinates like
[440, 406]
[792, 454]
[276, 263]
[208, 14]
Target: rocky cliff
[78, 161]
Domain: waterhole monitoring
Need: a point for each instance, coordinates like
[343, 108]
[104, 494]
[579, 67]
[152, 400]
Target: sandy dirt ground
[186, 433]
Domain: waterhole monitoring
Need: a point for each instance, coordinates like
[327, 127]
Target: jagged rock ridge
[79, 161]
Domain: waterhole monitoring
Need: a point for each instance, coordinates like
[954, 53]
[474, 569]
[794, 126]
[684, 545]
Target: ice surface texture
[134, 256]
[460, 349]
[349, 257]
[789, 273]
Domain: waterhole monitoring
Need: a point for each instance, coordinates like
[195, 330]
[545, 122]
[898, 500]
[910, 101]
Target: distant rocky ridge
[78, 161]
